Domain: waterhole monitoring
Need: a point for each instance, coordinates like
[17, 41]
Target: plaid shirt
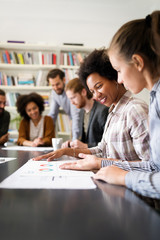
[126, 134]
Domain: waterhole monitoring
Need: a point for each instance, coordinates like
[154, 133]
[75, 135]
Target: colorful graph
[45, 169]
[46, 165]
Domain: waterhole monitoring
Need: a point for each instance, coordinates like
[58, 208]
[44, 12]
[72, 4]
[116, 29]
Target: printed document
[43, 174]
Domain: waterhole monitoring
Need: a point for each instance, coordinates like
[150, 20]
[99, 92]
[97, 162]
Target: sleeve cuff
[128, 180]
[105, 163]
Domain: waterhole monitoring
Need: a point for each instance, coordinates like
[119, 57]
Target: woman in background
[35, 130]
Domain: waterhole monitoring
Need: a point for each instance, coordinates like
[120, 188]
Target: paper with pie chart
[43, 174]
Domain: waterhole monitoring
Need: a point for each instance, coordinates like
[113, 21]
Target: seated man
[93, 118]
[4, 119]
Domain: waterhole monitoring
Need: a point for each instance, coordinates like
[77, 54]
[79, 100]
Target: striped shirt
[126, 131]
[144, 177]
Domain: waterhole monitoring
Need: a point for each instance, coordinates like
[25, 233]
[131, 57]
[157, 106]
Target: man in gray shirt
[56, 79]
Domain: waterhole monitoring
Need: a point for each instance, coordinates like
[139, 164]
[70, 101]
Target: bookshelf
[24, 67]
[70, 58]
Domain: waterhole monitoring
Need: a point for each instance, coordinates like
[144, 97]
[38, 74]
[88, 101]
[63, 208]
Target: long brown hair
[141, 36]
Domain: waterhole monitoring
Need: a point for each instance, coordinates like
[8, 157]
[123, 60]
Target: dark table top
[107, 212]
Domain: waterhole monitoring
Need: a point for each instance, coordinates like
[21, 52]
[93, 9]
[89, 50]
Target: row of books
[28, 57]
[12, 99]
[70, 74]
[71, 58]
[20, 79]
[64, 123]
[24, 78]
[30, 79]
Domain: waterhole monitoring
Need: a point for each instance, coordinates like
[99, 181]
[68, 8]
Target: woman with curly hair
[35, 130]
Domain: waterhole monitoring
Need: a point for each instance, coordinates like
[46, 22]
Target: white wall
[91, 22]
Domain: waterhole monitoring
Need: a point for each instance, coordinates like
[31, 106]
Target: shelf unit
[37, 69]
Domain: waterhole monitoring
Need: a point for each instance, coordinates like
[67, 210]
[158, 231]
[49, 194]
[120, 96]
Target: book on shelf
[15, 58]
[65, 61]
[26, 79]
[1, 79]
[64, 123]
[4, 58]
[70, 74]
[54, 58]
[71, 58]
[20, 58]
[45, 99]
[1, 57]
[62, 58]
[7, 56]
[11, 58]
[41, 79]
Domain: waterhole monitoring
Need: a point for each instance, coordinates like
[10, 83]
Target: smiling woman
[126, 131]
[35, 130]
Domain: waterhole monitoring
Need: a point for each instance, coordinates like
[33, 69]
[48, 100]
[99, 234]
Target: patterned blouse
[126, 133]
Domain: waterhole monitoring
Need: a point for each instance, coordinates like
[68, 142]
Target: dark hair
[77, 87]
[141, 36]
[54, 73]
[2, 92]
[97, 62]
[23, 100]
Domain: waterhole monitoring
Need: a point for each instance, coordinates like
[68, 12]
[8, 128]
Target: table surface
[107, 212]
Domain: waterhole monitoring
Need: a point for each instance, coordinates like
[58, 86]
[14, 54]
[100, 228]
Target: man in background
[4, 119]
[56, 78]
[93, 117]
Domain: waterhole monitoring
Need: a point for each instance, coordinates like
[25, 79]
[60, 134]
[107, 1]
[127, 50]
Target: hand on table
[89, 162]
[111, 174]
[38, 142]
[50, 156]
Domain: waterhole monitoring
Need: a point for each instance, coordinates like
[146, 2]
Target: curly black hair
[23, 100]
[97, 62]
[2, 93]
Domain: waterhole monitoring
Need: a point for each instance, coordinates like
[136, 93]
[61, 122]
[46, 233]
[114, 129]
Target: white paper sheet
[43, 174]
[23, 148]
[6, 159]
